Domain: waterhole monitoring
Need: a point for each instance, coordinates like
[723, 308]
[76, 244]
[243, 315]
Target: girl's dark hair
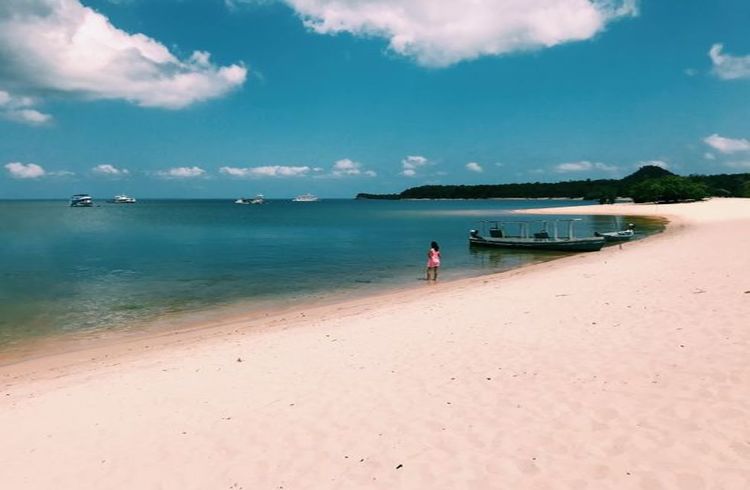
[435, 246]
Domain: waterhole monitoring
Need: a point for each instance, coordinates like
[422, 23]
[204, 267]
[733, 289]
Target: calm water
[80, 270]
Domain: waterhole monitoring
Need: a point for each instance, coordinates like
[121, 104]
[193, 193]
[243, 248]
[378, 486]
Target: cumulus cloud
[584, 166]
[108, 170]
[19, 170]
[181, 173]
[346, 167]
[727, 145]
[443, 32]
[266, 171]
[20, 109]
[63, 47]
[727, 66]
[474, 167]
[28, 116]
[410, 164]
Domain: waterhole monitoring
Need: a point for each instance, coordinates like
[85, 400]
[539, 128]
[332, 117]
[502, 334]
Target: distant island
[648, 184]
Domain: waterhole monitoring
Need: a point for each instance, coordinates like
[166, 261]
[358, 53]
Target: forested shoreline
[649, 183]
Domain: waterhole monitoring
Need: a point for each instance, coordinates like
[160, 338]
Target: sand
[627, 368]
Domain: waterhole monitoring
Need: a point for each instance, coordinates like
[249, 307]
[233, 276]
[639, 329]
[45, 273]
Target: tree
[670, 188]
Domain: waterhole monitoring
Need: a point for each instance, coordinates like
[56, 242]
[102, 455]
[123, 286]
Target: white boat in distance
[259, 199]
[123, 199]
[305, 198]
[81, 201]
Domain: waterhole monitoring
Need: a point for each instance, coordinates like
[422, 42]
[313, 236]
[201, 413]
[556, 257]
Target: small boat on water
[123, 199]
[493, 234]
[305, 198]
[259, 199]
[81, 201]
[618, 236]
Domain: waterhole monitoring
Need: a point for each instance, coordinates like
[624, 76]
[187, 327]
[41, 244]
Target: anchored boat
[305, 198]
[494, 234]
[81, 201]
[258, 199]
[123, 199]
[618, 236]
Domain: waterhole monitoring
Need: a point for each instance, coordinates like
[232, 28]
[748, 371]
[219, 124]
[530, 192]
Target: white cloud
[583, 166]
[63, 47]
[474, 167]
[655, 163]
[442, 32]
[19, 170]
[19, 109]
[410, 164]
[727, 145]
[347, 167]
[109, 170]
[709, 156]
[181, 173]
[574, 167]
[266, 171]
[28, 116]
[728, 67]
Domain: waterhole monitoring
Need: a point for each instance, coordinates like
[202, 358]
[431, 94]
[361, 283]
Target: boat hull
[591, 244]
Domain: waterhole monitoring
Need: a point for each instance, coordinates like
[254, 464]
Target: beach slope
[627, 368]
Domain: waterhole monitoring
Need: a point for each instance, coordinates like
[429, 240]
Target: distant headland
[648, 184]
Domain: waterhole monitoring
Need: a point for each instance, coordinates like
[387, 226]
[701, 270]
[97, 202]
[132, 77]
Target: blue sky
[220, 98]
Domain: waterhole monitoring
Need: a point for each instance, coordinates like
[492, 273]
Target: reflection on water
[505, 259]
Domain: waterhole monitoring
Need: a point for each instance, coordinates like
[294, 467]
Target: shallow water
[84, 270]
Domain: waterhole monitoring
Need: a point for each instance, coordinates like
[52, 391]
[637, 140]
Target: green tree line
[649, 183]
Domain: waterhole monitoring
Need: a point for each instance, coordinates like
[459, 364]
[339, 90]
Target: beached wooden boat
[493, 234]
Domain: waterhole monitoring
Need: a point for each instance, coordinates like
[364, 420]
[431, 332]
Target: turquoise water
[80, 270]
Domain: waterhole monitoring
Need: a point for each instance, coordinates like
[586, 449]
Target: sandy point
[625, 368]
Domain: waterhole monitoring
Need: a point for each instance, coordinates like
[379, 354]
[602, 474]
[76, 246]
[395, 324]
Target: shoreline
[62, 354]
[186, 325]
[62, 351]
[623, 368]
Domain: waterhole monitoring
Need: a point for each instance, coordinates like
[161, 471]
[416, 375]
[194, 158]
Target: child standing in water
[433, 261]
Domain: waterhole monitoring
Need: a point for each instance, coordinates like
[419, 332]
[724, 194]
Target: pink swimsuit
[433, 258]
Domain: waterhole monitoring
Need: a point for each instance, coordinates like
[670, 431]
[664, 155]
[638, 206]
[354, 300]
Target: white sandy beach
[623, 369]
